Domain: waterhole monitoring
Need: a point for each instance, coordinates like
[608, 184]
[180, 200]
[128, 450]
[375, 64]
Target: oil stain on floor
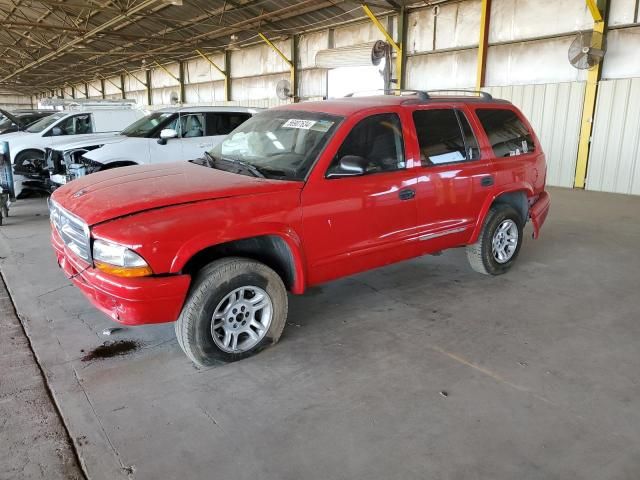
[112, 349]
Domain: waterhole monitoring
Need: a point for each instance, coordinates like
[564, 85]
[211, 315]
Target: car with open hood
[294, 197]
[18, 120]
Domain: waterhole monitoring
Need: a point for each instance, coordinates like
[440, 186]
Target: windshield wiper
[211, 160]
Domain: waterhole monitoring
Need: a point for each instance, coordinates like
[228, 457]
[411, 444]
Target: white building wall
[614, 160]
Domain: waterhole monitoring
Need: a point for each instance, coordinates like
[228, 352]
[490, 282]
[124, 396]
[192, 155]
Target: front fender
[287, 234]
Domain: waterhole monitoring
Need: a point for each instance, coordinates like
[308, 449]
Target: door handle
[407, 194]
[203, 145]
[487, 181]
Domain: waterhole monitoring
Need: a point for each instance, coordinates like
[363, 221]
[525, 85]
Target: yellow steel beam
[483, 43]
[383, 30]
[595, 11]
[588, 110]
[119, 87]
[166, 71]
[224, 73]
[396, 47]
[292, 65]
[276, 49]
[95, 88]
[132, 75]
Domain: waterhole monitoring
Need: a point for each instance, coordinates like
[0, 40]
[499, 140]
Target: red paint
[332, 227]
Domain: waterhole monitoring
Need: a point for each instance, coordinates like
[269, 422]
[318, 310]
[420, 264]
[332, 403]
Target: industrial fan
[587, 50]
[283, 89]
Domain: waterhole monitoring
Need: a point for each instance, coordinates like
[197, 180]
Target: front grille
[73, 231]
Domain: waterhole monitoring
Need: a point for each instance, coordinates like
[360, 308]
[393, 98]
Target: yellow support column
[290, 62]
[396, 47]
[589, 106]
[483, 43]
[225, 72]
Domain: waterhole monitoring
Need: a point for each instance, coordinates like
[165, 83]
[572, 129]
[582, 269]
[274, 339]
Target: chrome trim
[73, 231]
[451, 231]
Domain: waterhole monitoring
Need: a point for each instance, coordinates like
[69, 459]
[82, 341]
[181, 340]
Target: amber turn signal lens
[128, 272]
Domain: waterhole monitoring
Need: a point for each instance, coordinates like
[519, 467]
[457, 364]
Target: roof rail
[393, 91]
[459, 93]
[86, 103]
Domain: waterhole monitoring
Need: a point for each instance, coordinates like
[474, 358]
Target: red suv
[297, 196]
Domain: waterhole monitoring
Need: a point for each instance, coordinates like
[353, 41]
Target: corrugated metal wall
[614, 160]
[554, 110]
[11, 100]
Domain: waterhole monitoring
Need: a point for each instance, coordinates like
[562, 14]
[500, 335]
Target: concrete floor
[423, 369]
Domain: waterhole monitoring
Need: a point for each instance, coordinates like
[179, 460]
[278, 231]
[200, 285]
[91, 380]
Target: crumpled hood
[65, 143]
[124, 191]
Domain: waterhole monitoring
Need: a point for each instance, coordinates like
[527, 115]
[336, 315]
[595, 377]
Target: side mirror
[166, 134]
[349, 166]
[56, 131]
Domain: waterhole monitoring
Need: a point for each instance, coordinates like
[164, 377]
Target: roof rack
[86, 103]
[393, 91]
[427, 94]
[459, 93]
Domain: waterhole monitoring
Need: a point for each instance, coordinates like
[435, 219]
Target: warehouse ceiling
[46, 44]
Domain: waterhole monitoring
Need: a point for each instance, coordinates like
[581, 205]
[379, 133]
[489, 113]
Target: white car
[26, 149]
[167, 135]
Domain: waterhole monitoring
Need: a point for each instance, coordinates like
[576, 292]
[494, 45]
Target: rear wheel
[499, 242]
[236, 307]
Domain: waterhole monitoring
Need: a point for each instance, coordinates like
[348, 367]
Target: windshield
[279, 143]
[40, 125]
[146, 125]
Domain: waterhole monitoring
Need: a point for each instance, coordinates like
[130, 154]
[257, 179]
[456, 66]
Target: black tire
[35, 156]
[480, 254]
[210, 287]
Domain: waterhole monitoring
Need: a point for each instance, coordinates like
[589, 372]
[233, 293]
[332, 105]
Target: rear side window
[507, 134]
[445, 136]
[224, 123]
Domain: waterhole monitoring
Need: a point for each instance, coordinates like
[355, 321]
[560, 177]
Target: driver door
[171, 150]
[354, 223]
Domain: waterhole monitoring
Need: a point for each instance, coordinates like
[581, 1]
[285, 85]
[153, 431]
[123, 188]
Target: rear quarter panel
[521, 173]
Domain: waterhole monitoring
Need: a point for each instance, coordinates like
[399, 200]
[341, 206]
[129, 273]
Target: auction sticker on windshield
[298, 123]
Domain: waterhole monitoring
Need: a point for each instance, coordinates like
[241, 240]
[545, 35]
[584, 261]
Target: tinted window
[439, 136]
[378, 140]
[76, 125]
[224, 123]
[507, 134]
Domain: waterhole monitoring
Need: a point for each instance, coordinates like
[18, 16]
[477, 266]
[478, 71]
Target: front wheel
[499, 242]
[235, 308]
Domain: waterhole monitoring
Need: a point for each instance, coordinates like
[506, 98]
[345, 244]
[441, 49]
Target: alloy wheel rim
[241, 320]
[505, 241]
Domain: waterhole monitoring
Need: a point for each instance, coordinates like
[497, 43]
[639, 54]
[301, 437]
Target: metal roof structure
[45, 44]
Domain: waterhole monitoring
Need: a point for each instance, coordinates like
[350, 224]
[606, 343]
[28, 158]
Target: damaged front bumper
[129, 301]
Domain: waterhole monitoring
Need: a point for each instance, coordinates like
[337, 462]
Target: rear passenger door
[455, 179]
